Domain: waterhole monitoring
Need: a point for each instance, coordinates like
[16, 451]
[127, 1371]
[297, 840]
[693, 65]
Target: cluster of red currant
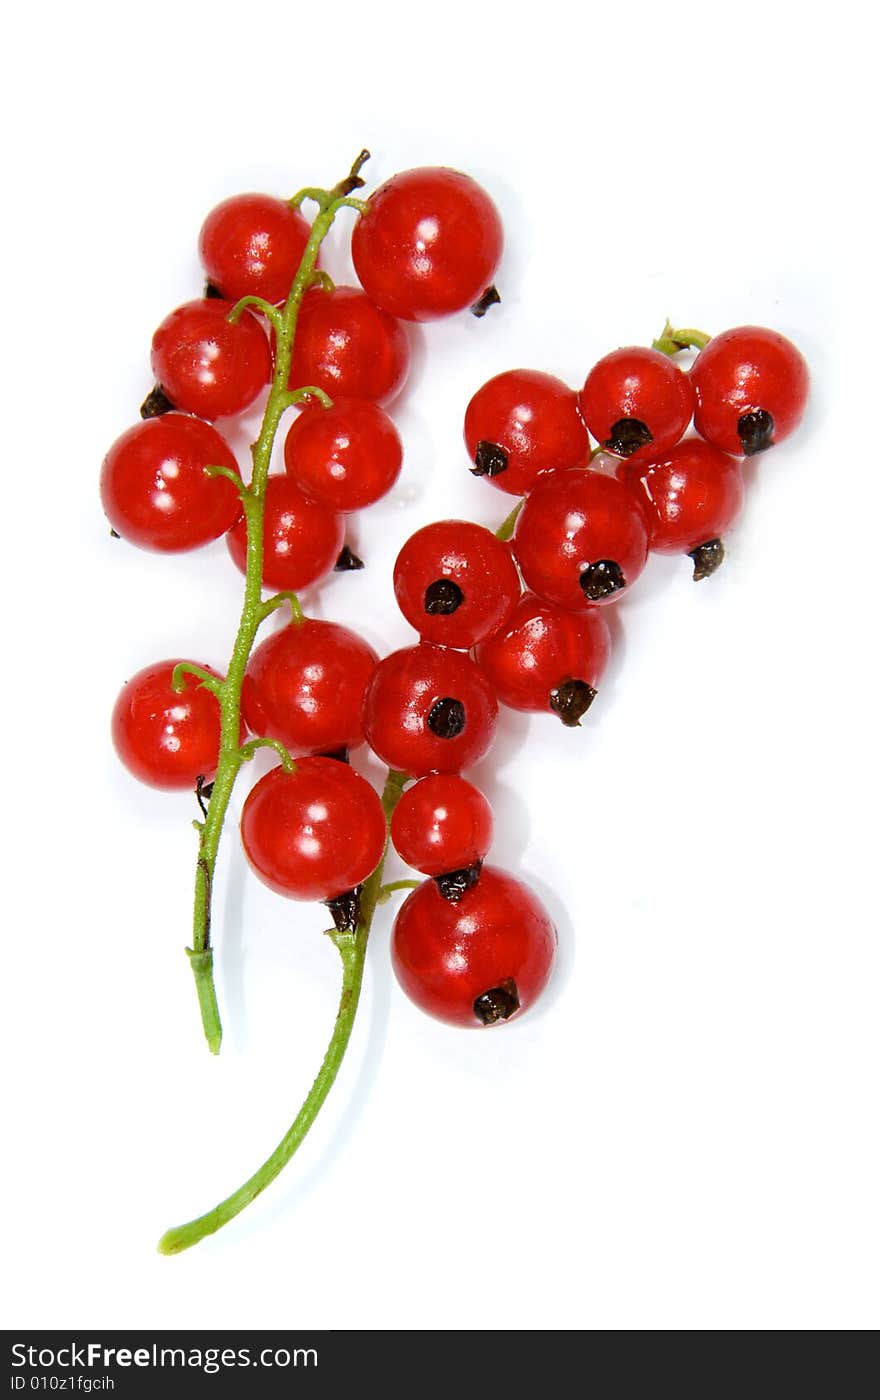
[471, 944]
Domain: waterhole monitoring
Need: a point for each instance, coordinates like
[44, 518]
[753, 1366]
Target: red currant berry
[691, 498]
[455, 582]
[305, 686]
[207, 365]
[637, 402]
[154, 489]
[167, 738]
[477, 960]
[581, 538]
[252, 245]
[429, 710]
[315, 833]
[751, 388]
[547, 659]
[349, 348]
[442, 824]
[301, 540]
[344, 457]
[523, 423]
[428, 245]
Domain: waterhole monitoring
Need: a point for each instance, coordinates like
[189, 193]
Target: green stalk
[352, 950]
[254, 610]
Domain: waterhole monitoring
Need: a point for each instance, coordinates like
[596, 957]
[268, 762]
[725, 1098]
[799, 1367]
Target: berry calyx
[316, 833]
[523, 423]
[348, 347]
[344, 457]
[155, 490]
[581, 538]
[301, 540]
[305, 685]
[636, 402]
[208, 365]
[167, 738]
[428, 709]
[751, 387]
[547, 659]
[442, 824]
[428, 244]
[455, 582]
[479, 960]
[691, 497]
[251, 245]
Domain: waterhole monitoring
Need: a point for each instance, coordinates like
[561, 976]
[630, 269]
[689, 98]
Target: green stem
[671, 341]
[352, 950]
[253, 611]
[505, 529]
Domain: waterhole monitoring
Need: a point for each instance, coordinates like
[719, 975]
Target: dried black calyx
[490, 297]
[114, 534]
[156, 403]
[571, 700]
[457, 882]
[345, 910]
[489, 460]
[707, 558]
[203, 794]
[341, 755]
[627, 435]
[755, 431]
[601, 579]
[347, 560]
[498, 1004]
[447, 718]
[442, 597]
[212, 293]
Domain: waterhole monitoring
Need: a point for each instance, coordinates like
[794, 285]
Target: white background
[684, 1134]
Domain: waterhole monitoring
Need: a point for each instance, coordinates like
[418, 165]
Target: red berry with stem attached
[479, 959]
[442, 824]
[523, 423]
[315, 833]
[252, 245]
[301, 540]
[547, 659]
[428, 244]
[154, 488]
[581, 538]
[305, 686]
[167, 738]
[637, 402]
[207, 364]
[428, 709]
[691, 498]
[345, 457]
[455, 582]
[349, 348]
[751, 388]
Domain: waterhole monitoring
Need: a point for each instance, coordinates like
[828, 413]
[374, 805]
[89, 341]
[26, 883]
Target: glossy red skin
[315, 833]
[252, 245]
[636, 382]
[534, 417]
[473, 558]
[742, 371]
[154, 489]
[167, 739]
[541, 647]
[447, 955]
[442, 824]
[301, 540]
[349, 348]
[692, 496]
[205, 364]
[571, 520]
[428, 245]
[305, 686]
[405, 687]
[345, 457]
